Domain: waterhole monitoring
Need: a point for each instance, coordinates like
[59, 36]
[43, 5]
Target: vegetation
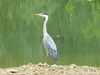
[73, 24]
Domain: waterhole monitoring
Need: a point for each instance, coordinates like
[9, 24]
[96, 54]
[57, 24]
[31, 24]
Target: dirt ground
[45, 69]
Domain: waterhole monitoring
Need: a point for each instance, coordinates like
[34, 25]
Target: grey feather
[50, 46]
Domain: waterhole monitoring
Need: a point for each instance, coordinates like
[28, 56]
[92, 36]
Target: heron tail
[54, 55]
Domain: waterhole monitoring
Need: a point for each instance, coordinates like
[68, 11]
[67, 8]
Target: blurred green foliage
[73, 24]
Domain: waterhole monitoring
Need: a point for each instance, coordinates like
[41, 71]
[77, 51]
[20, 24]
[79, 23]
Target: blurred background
[73, 24]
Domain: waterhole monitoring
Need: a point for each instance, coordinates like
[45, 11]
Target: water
[73, 24]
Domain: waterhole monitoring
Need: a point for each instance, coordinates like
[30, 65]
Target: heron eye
[45, 13]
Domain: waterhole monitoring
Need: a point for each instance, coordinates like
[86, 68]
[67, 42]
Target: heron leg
[47, 53]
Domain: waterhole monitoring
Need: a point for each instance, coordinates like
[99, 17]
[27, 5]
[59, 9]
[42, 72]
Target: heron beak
[39, 14]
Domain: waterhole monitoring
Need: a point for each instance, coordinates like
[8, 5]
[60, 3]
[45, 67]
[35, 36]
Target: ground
[45, 69]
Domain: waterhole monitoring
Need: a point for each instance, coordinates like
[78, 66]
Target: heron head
[42, 14]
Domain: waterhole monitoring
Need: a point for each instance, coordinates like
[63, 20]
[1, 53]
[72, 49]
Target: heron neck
[44, 27]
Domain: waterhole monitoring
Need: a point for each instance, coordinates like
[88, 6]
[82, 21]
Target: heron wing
[49, 44]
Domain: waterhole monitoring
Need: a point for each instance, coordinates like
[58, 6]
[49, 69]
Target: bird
[48, 42]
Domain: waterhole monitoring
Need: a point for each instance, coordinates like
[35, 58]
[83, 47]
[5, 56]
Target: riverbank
[45, 69]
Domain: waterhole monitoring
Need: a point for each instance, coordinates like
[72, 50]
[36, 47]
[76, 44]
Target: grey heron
[48, 42]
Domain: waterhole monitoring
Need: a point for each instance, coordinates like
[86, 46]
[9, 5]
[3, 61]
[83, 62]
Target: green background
[73, 24]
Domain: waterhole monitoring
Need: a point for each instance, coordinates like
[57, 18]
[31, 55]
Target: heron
[48, 42]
